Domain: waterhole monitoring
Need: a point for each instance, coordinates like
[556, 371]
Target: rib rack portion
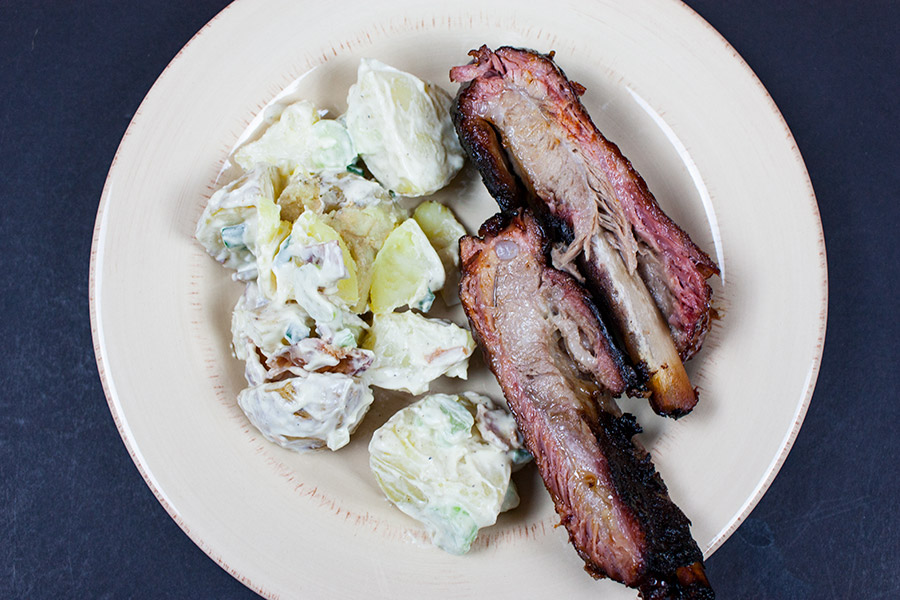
[545, 345]
[521, 121]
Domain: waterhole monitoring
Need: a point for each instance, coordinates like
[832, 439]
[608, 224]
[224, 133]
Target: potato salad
[339, 279]
[446, 461]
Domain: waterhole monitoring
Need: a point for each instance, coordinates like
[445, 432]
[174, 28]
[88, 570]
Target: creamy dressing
[269, 326]
[309, 275]
[305, 230]
[309, 272]
[401, 127]
[307, 413]
[433, 462]
[344, 188]
[300, 140]
[411, 351]
[240, 222]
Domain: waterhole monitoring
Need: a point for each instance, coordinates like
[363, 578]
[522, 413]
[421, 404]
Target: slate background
[78, 520]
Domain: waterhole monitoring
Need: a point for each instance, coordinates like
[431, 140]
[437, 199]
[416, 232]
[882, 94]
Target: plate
[661, 83]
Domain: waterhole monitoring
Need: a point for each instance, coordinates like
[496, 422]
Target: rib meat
[536, 327]
[521, 122]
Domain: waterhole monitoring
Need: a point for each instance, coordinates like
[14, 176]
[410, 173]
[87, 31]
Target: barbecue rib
[520, 120]
[536, 327]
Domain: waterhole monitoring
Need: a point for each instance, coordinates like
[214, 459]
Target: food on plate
[614, 505]
[401, 127]
[364, 229]
[300, 140]
[522, 123]
[240, 226]
[307, 413]
[406, 271]
[413, 351]
[329, 256]
[312, 236]
[315, 239]
[544, 298]
[446, 462]
[443, 231]
[274, 340]
[260, 327]
[327, 190]
[361, 211]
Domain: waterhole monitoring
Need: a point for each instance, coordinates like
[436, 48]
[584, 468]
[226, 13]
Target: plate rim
[108, 386]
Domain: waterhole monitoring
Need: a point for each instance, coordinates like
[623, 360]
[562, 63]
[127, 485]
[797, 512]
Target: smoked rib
[539, 334]
[520, 120]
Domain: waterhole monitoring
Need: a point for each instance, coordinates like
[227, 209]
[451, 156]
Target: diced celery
[296, 332]
[233, 236]
[330, 146]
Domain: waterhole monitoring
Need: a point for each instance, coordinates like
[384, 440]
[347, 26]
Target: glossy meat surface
[520, 120]
[604, 486]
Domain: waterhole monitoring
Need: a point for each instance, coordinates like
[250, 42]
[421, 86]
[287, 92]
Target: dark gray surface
[78, 520]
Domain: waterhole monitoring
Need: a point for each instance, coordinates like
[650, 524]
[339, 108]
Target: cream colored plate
[661, 83]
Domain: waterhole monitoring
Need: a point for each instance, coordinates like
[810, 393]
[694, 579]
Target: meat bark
[609, 496]
[520, 120]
